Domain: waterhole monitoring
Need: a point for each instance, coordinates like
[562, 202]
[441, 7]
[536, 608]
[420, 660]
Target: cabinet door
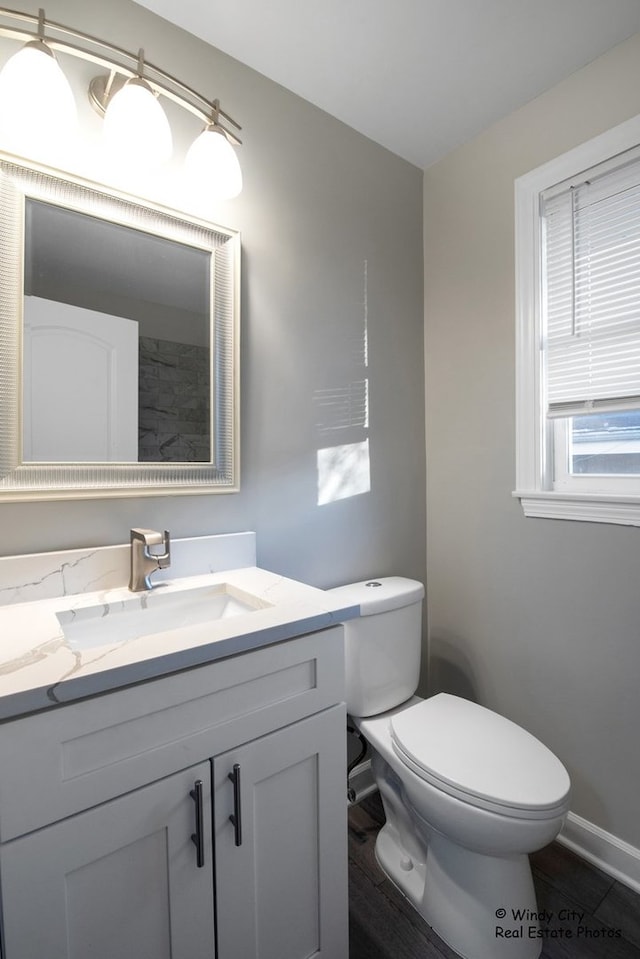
[118, 880]
[281, 893]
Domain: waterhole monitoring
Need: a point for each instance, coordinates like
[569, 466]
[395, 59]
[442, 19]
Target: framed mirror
[119, 344]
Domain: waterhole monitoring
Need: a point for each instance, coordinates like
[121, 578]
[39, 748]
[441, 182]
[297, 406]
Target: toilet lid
[474, 751]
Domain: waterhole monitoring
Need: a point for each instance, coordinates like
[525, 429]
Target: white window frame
[534, 435]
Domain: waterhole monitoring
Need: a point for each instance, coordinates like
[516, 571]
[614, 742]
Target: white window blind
[591, 290]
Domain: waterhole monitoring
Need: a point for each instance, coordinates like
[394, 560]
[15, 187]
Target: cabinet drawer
[71, 758]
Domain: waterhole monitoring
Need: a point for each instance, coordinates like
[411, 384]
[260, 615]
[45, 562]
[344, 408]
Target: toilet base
[461, 894]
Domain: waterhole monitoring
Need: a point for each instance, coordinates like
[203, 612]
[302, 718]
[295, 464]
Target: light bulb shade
[212, 165]
[37, 106]
[136, 127]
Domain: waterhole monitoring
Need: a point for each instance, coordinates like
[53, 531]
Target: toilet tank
[382, 646]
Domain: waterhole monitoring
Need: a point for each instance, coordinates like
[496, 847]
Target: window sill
[587, 507]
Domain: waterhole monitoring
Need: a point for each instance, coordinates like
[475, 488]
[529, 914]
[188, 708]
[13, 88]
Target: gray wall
[320, 202]
[539, 619]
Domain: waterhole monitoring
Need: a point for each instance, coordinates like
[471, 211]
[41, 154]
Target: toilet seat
[480, 757]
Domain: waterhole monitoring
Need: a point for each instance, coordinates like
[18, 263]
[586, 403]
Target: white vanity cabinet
[197, 816]
[117, 880]
[282, 848]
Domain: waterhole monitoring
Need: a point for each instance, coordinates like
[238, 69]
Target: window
[578, 332]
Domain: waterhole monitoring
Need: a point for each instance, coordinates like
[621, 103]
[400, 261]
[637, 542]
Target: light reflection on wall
[343, 471]
[342, 415]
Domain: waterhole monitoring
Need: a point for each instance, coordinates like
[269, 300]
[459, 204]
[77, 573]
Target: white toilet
[467, 794]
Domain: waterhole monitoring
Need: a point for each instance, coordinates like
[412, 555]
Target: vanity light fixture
[23, 80]
[127, 96]
[135, 125]
[212, 151]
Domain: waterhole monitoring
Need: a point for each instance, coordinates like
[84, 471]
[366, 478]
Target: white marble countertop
[40, 667]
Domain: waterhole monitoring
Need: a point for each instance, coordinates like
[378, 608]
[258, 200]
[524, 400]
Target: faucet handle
[164, 559]
[143, 561]
[150, 538]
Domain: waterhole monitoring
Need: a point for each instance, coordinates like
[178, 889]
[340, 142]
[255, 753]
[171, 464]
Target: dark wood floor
[384, 926]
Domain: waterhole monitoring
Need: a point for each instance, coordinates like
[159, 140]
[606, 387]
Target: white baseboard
[614, 856]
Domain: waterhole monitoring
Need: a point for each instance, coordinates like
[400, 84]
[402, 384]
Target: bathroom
[343, 244]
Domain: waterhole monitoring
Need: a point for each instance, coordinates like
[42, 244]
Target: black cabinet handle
[197, 838]
[236, 818]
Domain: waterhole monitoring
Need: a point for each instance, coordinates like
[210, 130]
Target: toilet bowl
[467, 794]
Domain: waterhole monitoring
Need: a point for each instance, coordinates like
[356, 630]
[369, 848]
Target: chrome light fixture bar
[123, 68]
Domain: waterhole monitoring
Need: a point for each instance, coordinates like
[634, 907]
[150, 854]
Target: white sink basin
[153, 612]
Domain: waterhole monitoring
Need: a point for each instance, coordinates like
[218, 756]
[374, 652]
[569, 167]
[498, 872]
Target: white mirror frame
[45, 481]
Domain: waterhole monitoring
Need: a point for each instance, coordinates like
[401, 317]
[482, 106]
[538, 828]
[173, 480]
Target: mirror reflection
[117, 351]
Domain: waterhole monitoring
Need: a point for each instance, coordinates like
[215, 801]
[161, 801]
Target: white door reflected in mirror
[80, 385]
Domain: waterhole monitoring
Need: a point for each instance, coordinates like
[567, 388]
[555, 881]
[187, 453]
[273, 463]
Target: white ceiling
[418, 76]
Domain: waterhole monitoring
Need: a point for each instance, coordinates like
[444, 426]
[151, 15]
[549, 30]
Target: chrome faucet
[143, 561]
